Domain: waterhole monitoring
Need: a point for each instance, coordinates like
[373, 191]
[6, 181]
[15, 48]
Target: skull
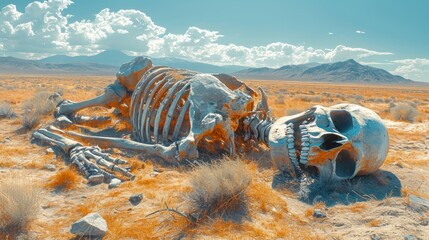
[341, 141]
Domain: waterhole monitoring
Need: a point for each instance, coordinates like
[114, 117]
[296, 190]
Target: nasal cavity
[345, 164]
[331, 141]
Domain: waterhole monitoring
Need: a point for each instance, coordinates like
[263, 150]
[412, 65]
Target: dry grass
[19, 198]
[63, 180]
[6, 111]
[374, 223]
[219, 189]
[404, 112]
[35, 108]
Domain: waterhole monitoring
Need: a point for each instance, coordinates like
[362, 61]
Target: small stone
[96, 179]
[49, 151]
[418, 203]
[375, 237]
[49, 167]
[92, 225]
[136, 199]
[410, 237]
[318, 213]
[424, 222]
[114, 183]
[7, 139]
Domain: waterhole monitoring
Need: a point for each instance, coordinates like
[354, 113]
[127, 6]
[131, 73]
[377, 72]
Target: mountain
[117, 58]
[11, 65]
[347, 71]
[109, 57]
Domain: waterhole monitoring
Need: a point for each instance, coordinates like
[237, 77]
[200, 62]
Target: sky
[393, 35]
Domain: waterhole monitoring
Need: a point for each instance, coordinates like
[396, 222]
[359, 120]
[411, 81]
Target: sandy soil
[377, 205]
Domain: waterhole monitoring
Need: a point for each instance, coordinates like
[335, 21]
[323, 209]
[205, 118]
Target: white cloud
[43, 29]
[360, 32]
[330, 33]
[415, 69]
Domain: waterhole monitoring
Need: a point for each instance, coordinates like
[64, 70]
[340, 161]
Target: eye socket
[342, 120]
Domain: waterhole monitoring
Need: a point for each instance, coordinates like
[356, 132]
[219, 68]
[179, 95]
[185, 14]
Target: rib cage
[159, 106]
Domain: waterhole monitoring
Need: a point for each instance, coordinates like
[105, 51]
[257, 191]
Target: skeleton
[177, 114]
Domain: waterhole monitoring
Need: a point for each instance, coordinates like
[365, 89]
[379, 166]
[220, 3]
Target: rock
[49, 151]
[114, 183]
[410, 237]
[136, 198]
[49, 167]
[424, 222]
[318, 213]
[375, 237]
[418, 203]
[92, 225]
[96, 179]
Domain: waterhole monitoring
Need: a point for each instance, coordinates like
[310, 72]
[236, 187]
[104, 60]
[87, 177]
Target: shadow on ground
[377, 186]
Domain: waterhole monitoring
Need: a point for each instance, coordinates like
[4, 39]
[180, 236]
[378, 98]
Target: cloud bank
[43, 29]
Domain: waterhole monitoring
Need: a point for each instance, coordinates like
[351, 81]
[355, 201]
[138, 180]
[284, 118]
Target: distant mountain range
[108, 62]
[347, 71]
[117, 58]
[11, 65]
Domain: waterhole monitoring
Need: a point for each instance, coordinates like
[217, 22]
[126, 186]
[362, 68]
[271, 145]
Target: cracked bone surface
[341, 141]
[176, 114]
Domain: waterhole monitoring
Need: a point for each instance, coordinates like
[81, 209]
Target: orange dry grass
[64, 180]
[374, 223]
[6, 164]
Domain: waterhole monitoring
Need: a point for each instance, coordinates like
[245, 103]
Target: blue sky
[390, 34]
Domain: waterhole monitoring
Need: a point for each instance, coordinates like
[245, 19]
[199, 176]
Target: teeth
[290, 140]
[305, 144]
[290, 145]
[305, 149]
[305, 139]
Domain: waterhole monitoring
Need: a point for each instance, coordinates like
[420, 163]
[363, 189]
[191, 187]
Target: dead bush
[41, 104]
[63, 181]
[279, 100]
[19, 198]
[6, 111]
[308, 98]
[404, 112]
[219, 189]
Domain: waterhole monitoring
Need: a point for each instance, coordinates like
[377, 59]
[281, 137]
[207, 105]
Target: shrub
[279, 100]
[63, 181]
[308, 98]
[41, 104]
[6, 111]
[19, 198]
[404, 112]
[219, 189]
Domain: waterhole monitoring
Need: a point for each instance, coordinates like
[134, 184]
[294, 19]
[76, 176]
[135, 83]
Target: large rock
[92, 225]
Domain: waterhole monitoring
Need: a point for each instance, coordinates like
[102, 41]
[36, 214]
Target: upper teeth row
[305, 144]
[290, 143]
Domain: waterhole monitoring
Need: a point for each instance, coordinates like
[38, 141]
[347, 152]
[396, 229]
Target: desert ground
[377, 206]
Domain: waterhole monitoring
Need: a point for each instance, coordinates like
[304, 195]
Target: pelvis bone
[176, 114]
